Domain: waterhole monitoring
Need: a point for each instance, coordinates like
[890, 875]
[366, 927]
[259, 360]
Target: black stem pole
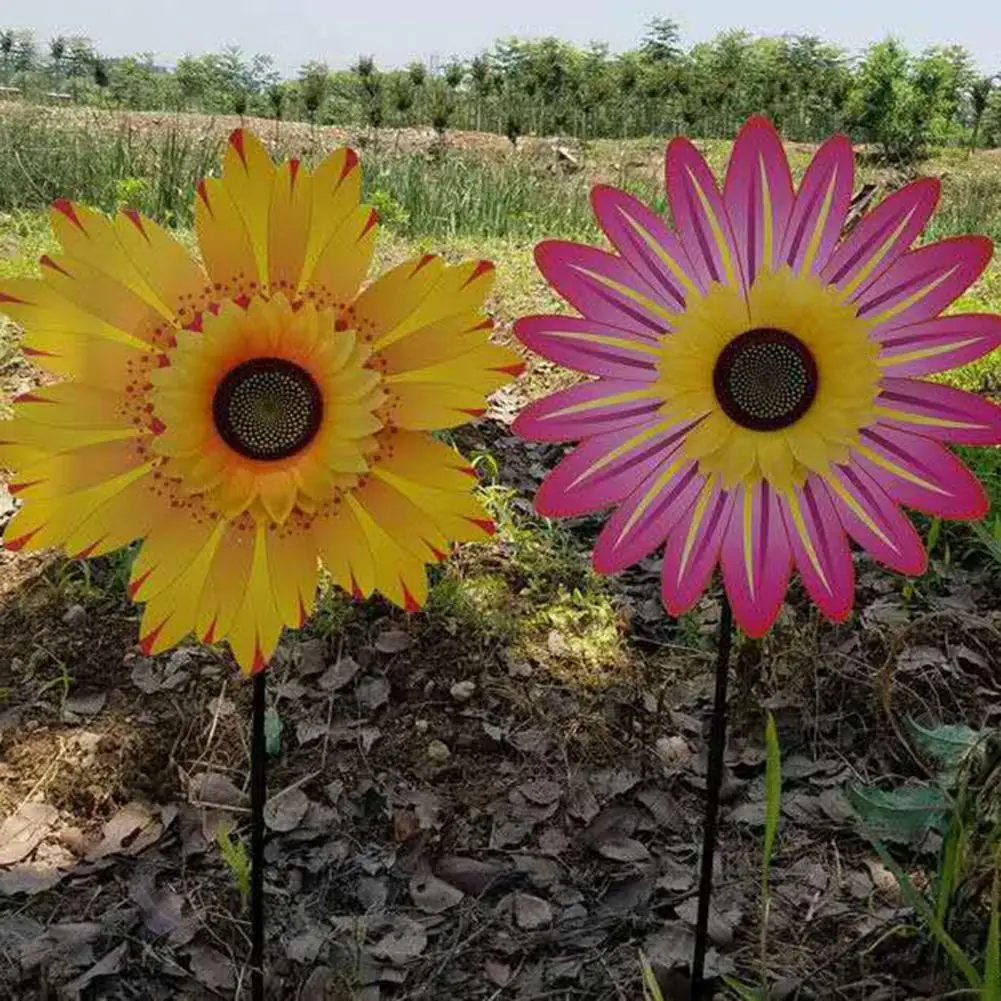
[258, 794]
[714, 781]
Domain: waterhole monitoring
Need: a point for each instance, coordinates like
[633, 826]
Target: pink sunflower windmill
[759, 400]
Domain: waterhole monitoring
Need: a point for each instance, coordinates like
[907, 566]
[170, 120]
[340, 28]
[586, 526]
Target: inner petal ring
[765, 379]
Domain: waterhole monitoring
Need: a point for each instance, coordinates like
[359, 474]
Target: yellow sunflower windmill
[252, 413]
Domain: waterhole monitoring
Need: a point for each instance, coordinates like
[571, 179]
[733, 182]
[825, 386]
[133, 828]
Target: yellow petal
[171, 614]
[257, 626]
[293, 560]
[289, 225]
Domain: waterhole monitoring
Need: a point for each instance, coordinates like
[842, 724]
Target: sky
[396, 31]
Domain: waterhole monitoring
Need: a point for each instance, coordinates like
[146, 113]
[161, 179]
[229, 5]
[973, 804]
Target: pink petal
[646, 243]
[921, 473]
[604, 287]
[604, 470]
[820, 548]
[921, 283]
[873, 519]
[588, 409]
[937, 411]
[882, 236]
[693, 548]
[644, 519]
[700, 217]
[821, 205]
[756, 558]
[758, 194]
[588, 346]
[937, 345]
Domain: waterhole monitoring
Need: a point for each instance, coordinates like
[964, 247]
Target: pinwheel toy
[757, 400]
[251, 413]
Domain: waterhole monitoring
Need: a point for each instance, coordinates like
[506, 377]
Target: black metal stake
[714, 781]
[258, 794]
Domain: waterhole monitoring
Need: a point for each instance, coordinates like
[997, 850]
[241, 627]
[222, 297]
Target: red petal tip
[303, 614]
[469, 471]
[146, 642]
[30, 397]
[473, 412]
[482, 267]
[350, 162]
[236, 141]
[513, 370]
[47, 262]
[157, 426]
[85, 552]
[488, 526]
[410, 603]
[423, 263]
[209, 636]
[203, 194]
[65, 207]
[438, 554]
[293, 170]
[15, 488]
[136, 584]
[16, 545]
[260, 661]
[133, 216]
[370, 223]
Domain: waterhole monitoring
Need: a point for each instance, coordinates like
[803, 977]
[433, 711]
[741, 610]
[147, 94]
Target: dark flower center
[765, 379]
[267, 409]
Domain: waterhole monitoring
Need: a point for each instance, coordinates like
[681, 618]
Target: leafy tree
[314, 85]
[662, 42]
[886, 107]
[418, 73]
[57, 52]
[454, 74]
[980, 96]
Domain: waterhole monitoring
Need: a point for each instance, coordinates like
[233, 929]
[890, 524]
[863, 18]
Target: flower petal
[820, 548]
[700, 216]
[921, 473]
[336, 184]
[588, 409]
[607, 468]
[938, 411]
[643, 521]
[693, 548]
[881, 237]
[293, 563]
[758, 194]
[588, 346]
[257, 626]
[874, 520]
[646, 243]
[938, 345]
[226, 581]
[818, 214]
[921, 283]
[605, 288]
[172, 613]
[756, 558]
[289, 220]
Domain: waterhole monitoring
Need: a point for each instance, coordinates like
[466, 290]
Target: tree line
[901, 101]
